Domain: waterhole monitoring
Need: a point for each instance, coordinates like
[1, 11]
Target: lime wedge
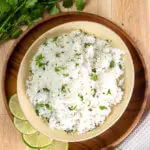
[15, 107]
[37, 140]
[24, 126]
[56, 145]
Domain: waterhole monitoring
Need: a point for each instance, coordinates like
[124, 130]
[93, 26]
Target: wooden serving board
[124, 126]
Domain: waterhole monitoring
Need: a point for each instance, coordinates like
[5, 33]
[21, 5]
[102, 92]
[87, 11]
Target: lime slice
[24, 126]
[56, 145]
[15, 107]
[37, 140]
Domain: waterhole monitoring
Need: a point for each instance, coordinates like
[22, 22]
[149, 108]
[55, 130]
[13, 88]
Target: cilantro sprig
[15, 13]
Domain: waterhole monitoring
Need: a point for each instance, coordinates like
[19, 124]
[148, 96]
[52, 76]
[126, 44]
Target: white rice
[76, 79]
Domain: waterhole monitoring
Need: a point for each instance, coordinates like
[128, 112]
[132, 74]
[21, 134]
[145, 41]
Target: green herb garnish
[108, 92]
[112, 64]
[55, 39]
[109, 41]
[56, 69]
[68, 131]
[81, 97]
[63, 88]
[72, 107]
[57, 54]
[77, 54]
[49, 107]
[94, 92]
[39, 105]
[77, 64]
[120, 66]
[45, 43]
[37, 111]
[94, 70]
[65, 74]
[46, 90]
[39, 58]
[102, 107]
[94, 77]
[86, 45]
[90, 109]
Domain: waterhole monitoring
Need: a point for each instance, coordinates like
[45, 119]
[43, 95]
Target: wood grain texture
[116, 10]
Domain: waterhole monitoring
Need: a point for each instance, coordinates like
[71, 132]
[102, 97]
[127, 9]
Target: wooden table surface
[131, 15]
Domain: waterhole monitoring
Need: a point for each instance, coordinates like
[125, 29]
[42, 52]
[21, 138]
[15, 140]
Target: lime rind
[56, 145]
[15, 107]
[24, 126]
[36, 140]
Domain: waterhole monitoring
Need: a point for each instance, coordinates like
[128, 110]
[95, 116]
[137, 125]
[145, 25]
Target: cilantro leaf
[94, 77]
[30, 3]
[12, 2]
[112, 64]
[80, 4]
[16, 32]
[53, 10]
[102, 107]
[72, 107]
[4, 7]
[67, 3]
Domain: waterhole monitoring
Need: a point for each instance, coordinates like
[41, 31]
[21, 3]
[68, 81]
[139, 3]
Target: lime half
[24, 126]
[15, 107]
[56, 145]
[37, 140]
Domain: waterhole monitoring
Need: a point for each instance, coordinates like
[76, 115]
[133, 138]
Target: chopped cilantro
[86, 45]
[37, 111]
[90, 109]
[94, 77]
[63, 67]
[108, 92]
[109, 41]
[94, 92]
[57, 69]
[57, 54]
[45, 43]
[39, 58]
[55, 38]
[31, 71]
[94, 70]
[112, 64]
[72, 107]
[39, 62]
[49, 107]
[77, 54]
[39, 105]
[46, 90]
[68, 131]
[65, 74]
[120, 66]
[77, 64]
[63, 88]
[102, 107]
[81, 97]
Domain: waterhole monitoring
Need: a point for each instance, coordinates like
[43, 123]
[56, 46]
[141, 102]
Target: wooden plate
[124, 126]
